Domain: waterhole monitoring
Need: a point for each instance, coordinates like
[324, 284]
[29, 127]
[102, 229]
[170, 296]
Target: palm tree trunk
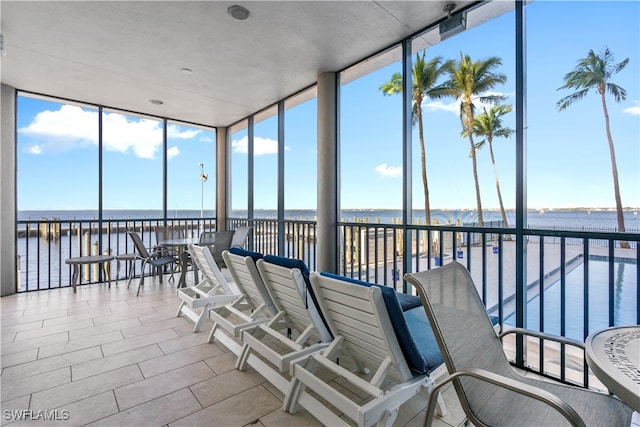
[423, 157]
[475, 165]
[614, 170]
[495, 172]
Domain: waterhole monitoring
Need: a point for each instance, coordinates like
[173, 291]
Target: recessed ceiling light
[186, 70]
[156, 102]
[238, 12]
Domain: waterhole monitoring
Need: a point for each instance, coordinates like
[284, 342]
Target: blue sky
[567, 157]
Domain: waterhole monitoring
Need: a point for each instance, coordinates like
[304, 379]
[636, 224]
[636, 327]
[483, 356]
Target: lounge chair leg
[213, 333]
[179, 313]
[388, 418]
[241, 363]
[289, 403]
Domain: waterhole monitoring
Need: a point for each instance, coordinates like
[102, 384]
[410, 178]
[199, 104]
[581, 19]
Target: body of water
[579, 219]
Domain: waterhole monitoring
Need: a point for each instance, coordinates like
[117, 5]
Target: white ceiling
[121, 54]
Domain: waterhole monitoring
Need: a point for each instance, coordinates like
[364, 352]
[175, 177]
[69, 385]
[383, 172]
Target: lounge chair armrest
[562, 340]
[516, 386]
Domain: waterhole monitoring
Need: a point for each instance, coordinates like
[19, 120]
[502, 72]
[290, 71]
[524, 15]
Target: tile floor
[104, 357]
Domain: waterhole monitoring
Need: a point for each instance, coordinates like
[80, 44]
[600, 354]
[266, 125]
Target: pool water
[625, 300]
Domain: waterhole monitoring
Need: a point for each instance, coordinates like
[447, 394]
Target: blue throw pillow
[421, 350]
[243, 252]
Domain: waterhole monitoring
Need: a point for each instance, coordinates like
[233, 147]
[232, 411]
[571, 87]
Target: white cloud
[174, 131]
[206, 138]
[454, 106]
[261, 146]
[172, 152]
[72, 127]
[392, 171]
[635, 110]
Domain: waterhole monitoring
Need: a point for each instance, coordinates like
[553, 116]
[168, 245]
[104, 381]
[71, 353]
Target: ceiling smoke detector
[238, 12]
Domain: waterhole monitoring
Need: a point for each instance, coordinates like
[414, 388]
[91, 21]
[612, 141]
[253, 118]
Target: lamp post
[203, 179]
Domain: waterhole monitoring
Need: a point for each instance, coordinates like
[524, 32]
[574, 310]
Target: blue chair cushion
[243, 252]
[412, 330]
[300, 265]
[407, 302]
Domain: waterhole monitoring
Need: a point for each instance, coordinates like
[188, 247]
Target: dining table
[181, 246]
[613, 354]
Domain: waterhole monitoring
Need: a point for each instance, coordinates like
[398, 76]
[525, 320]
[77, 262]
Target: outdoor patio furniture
[129, 258]
[155, 259]
[395, 353]
[490, 391]
[254, 307]
[218, 242]
[294, 299]
[212, 290]
[240, 236]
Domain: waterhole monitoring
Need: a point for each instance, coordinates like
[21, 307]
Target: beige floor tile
[151, 388]
[137, 342]
[35, 383]
[180, 343]
[93, 408]
[18, 358]
[102, 329]
[280, 418]
[122, 315]
[87, 387]
[8, 348]
[223, 386]
[79, 344]
[15, 406]
[157, 412]
[115, 361]
[11, 330]
[148, 328]
[223, 363]
[178, 359]
[63, 327]
[239, 410]
[41, 366]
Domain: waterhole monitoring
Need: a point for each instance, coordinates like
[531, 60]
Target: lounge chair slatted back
[292, 295]
[469, 344]
[242, 266]
[370, 328]
[211, 291]
[358, 314]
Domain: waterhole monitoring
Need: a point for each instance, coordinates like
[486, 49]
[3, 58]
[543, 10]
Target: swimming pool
[625, 300]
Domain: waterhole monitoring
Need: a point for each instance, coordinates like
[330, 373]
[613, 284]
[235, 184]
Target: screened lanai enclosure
[368, 139]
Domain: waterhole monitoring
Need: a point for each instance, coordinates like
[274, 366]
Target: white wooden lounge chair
[213, 289]
[490, 391]
[397, 350]
[256, 305]
[293, 297]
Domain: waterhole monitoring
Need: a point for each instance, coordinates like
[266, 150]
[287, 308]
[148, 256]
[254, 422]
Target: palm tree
[489, 125]
[424, 75]
[467, 80]
[594, 72]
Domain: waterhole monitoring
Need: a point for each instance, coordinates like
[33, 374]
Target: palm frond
[568, 100]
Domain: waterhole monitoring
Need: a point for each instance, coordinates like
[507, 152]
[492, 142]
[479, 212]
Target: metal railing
[43, 246]
[591, 270]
